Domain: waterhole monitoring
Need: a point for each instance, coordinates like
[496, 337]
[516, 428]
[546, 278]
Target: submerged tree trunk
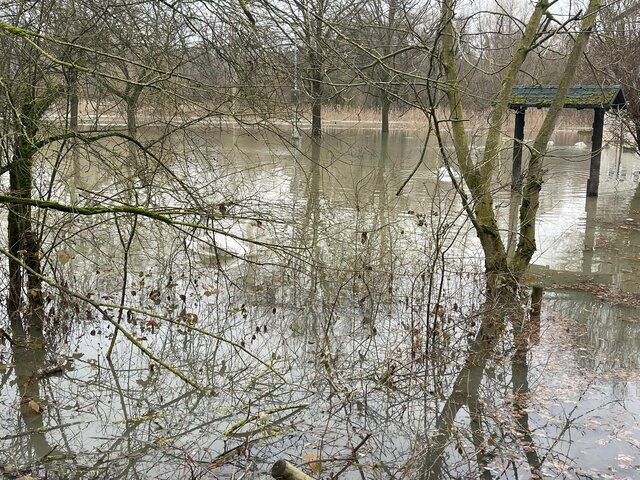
[386, 106]
[316, 119]
[465, 388]
[24, 246]
[25, 299]
[315, 61]
[523, 332]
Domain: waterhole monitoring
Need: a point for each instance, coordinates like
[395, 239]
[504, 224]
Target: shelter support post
[591, 207]
[518, 140]
[596, 151]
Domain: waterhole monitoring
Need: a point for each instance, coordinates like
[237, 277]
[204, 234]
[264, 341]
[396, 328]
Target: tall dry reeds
[415, 119]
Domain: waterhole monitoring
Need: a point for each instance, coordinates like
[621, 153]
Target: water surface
[331, 326]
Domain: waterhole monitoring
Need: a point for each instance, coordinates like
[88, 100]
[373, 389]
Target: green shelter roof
[585, 96]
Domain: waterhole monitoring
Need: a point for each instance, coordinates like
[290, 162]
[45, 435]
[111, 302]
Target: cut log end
[283, 470]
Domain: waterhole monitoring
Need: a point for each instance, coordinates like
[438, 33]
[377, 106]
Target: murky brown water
[312, 350]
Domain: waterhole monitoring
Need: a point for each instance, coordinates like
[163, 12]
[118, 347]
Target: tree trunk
[386, 105]
[478, 178]
[132, 117]
[131, 99]
[535, 176]
[316, 119]
[385, 75]
[73, 127]
[316, 59]
[316, 94]
[23, 242]
[501, 273]
[73, 101]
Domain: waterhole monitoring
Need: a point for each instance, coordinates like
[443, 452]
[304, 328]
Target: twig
[355, 450]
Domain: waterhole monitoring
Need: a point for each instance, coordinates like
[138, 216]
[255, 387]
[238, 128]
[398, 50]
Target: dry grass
[415, 119]
[354, 118]
[412, 119]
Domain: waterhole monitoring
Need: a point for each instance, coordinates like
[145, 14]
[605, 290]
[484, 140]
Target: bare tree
[50, 61]
[614, 50]
[388, 32]
[478, 176]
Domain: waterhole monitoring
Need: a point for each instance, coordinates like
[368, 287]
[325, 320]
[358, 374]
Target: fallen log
[283, 470]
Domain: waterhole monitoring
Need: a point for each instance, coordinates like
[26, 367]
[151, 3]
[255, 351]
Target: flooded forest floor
[309, 313]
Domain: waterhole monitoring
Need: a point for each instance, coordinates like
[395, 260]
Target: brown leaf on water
[63, 257]
[314, 464]
[35, 406]
[151, 324]
[155, 295]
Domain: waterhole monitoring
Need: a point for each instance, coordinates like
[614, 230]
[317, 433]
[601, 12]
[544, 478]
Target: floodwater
[331, 326]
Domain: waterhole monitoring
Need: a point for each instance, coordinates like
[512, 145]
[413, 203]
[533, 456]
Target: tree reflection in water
[448, 449]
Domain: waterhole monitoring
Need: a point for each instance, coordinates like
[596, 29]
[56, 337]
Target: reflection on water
[347, 334]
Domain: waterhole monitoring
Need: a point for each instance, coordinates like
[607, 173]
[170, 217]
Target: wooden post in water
[591, 208]
[518, 139]
[283, 470]
[596, 150]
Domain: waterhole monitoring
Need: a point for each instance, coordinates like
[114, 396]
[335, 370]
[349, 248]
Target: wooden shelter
[599, 97]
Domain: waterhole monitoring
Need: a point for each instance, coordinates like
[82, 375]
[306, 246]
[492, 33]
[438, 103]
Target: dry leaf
[63, 257]
[35, 406]
[314, 464]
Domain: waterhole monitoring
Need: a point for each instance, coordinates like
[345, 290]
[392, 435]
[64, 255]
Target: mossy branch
[167, 217]
[257, 416]
[98, 209]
